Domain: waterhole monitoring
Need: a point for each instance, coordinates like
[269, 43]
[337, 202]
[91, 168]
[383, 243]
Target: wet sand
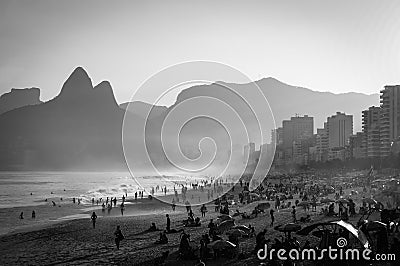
[75, 242]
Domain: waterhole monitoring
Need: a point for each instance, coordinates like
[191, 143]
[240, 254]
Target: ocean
[18, 189]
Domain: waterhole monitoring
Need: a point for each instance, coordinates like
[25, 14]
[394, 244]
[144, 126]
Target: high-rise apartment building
[340, 128]
[389, 118]
[321, 144]
[371, 128]
[295, 130]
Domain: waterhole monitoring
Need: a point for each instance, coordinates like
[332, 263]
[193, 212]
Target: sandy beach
[73, 242]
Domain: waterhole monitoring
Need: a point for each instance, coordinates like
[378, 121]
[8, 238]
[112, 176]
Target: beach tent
[236, 232]
[370, 201]
[221, 244]
[263, 206]
[242, 228]
[375, 226]
[225, 225]
[358, 234]
[304, 203]
[289, 227]
[224, 217]
[326, 200]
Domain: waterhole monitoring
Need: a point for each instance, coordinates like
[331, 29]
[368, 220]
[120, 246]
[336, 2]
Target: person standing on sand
[203, 210]
[271, 212]
[33, 214]
[168, 223]
[21, 215]
[173, 205]
[118, 236]
[294, 214]
[122, 209]
[93, 217]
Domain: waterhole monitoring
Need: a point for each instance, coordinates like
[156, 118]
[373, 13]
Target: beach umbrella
[375, 226]
[370, 201]
[319, 233]
[236, 232]
[224, 217]
[303, 203]
[225, 225]
[289, 227]
[242, 228]
[347, 226]
[263, 206]
[326, 200]
[221, 244]
[354, 192]
[342, 200]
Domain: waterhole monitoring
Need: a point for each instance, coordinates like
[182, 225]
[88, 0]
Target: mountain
[286, 101]
[143, 109]
[81, 128]
[19, 97]
[78, 129]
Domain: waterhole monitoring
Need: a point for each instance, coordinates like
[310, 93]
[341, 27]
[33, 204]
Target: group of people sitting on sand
[191, 221]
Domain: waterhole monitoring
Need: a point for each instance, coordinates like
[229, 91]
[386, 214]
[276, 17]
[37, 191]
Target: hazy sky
[336, 46]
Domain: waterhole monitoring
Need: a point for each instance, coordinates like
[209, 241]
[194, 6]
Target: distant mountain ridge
[78, 129]
[143, 109]
[18, 98]
[81, 128]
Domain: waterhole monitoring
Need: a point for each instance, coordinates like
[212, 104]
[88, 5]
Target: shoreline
[96, 246]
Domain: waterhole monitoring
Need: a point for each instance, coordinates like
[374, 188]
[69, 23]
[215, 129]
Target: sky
[337, 46]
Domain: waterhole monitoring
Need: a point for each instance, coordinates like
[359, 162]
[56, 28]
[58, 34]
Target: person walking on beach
[33, 214]
[122, 209]
[118, 236]
[168, 223]
[21, 215]
[93, 218]
[203, 210]
[173, 205]
[294, 214]
[271, 212]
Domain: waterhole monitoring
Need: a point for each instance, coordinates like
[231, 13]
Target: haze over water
[16, 187]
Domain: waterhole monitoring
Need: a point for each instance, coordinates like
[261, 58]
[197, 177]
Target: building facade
[340, 128]
[390, 118]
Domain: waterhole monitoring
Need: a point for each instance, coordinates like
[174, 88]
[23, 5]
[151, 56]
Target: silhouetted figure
[203, 210]
[33, 214]
[163, 239]
[152, 228]
[271, 212]
[294, 214]
[211, 227]
[93, 217]
[122, 209]
[21, 215]
[118, 236]
[168, 223]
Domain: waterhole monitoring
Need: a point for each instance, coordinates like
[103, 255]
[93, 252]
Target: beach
[75, 242]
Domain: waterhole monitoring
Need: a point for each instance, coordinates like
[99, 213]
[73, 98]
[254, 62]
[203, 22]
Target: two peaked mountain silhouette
[81, 128]
[78, 129]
